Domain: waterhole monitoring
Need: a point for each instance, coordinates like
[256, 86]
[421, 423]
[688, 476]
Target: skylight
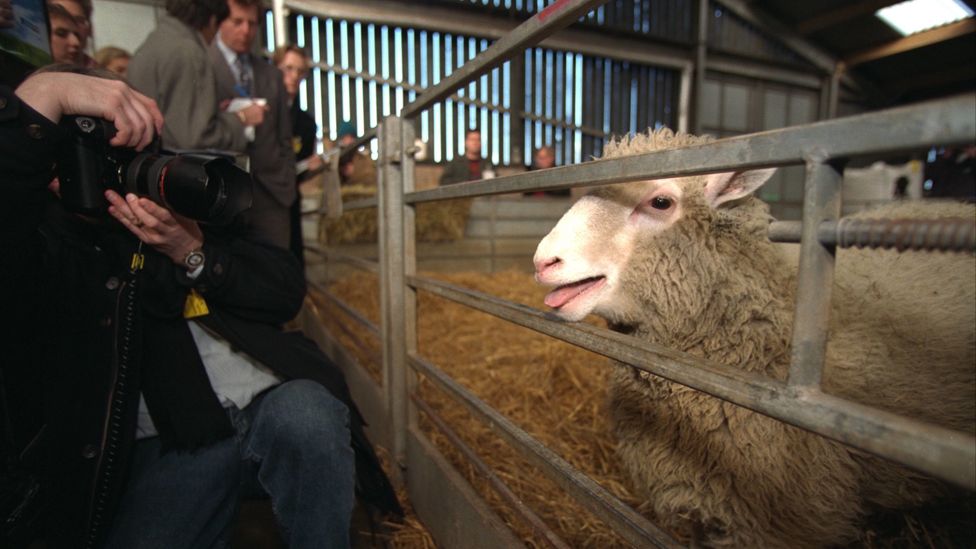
[918, 15]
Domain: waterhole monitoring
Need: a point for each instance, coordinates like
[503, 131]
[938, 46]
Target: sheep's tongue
[563, 294]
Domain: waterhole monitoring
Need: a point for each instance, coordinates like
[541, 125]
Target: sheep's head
[616, 244]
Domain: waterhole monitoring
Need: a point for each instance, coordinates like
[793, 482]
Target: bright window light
[918, 15]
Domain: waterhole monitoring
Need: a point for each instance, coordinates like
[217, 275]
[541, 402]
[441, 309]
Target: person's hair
[470, 131]
[281, 51]
[59, 11]
[547, 148]
[86, 6]
[247, 3]
[106, 55]
[197, 13]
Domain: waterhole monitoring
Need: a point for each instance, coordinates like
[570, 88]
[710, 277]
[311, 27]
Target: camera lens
[206, 188]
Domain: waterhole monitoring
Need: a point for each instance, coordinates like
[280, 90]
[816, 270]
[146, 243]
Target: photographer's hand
[171, 234]
[53, 94]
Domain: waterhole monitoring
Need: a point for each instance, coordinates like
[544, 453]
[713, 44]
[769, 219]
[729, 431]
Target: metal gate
[449, 508]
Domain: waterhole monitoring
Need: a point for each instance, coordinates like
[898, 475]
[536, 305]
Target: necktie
[243, 76]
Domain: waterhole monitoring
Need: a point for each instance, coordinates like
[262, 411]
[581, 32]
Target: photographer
[29, 135]
[171, 391]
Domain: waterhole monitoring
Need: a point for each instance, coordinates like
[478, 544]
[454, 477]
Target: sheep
[686, 263]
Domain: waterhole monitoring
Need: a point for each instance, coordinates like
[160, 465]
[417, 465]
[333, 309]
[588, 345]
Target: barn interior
[728, 68]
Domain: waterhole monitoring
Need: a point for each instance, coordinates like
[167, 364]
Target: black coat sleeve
[27, 142]
[250, 280]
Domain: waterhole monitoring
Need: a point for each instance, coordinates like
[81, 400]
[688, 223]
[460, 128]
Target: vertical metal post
[830, 92]
[700, 60]
[409, 268]
[821, 202]
[517, 95]
[392, 284]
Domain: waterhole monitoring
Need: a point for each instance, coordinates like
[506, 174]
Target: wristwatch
[194, 259]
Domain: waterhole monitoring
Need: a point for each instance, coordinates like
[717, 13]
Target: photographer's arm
[259, 282]
[135, 116]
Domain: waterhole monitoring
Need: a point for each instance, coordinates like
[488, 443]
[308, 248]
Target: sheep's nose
[541, 265]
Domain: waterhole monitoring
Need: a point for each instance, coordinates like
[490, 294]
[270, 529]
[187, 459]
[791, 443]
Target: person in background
[358, 168]
[292, 61]
[544, 158]
[113, 59]
[469, 166]
[81, 12]
[66, 41]
[173, 67]
[6, 14]
[241, 75]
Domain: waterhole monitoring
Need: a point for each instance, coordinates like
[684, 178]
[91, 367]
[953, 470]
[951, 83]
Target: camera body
[203, 186]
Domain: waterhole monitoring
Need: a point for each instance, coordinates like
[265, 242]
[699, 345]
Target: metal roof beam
[840, 15]
[913, 41]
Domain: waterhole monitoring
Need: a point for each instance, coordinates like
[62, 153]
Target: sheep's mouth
[568, 292]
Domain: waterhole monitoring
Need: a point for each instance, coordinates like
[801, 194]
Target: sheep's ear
[723, 187]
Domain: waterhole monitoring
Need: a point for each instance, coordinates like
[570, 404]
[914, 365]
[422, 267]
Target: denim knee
[301, 410]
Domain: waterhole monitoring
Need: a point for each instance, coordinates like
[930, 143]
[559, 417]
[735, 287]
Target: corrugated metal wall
[571, 101]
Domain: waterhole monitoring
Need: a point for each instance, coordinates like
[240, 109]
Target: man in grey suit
[243, 75]
[172, 67]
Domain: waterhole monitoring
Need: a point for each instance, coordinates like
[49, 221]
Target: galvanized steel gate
[457, 516]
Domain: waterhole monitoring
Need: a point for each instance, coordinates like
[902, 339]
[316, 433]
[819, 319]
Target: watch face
[194, 259]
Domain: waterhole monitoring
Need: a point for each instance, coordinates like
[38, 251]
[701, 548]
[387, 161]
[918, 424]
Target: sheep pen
[555, 391]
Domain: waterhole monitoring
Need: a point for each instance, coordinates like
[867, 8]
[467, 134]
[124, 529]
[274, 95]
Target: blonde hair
[106, 55]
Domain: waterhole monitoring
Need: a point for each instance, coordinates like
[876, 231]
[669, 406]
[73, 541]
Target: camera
[202, 186]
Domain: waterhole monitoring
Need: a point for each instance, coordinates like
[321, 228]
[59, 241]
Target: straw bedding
[554, 391]
[441, 221]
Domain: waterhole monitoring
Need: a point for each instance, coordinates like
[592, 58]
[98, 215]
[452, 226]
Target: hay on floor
[557, 393]
[442, 221]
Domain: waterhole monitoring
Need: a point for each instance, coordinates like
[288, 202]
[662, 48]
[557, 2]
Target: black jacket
[103, 334]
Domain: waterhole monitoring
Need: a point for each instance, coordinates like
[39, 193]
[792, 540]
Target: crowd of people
[150, 381]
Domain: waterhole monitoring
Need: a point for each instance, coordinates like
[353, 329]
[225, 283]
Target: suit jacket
[271, 153]
[456, 171]
[172, 67]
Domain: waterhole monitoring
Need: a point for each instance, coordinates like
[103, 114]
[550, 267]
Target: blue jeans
[292, 443]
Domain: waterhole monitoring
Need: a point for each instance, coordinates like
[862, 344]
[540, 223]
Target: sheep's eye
[661, 202]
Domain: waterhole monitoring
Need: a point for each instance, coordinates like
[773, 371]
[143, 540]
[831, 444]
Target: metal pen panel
[629, 524]
[947, 121]
[815, 280]
[940, 452]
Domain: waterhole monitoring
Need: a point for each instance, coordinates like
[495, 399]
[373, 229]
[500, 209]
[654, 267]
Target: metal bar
[318, 292]
[946, 121]
[701, 50]
[516, 93]
[360, 204]
[815, 279]
[937, 451]
[629, 524]
[391, 233]
[947, 234]
[521, 509]
[406, 166]
[370, 353]
[913, 41]
[455, 515]
[358, 262]
[556, 16]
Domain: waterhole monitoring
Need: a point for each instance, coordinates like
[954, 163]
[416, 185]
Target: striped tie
[243, 76]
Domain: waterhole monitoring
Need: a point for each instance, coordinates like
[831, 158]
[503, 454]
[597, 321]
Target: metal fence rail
[629, 524]
[940, 452]
[823, 147]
